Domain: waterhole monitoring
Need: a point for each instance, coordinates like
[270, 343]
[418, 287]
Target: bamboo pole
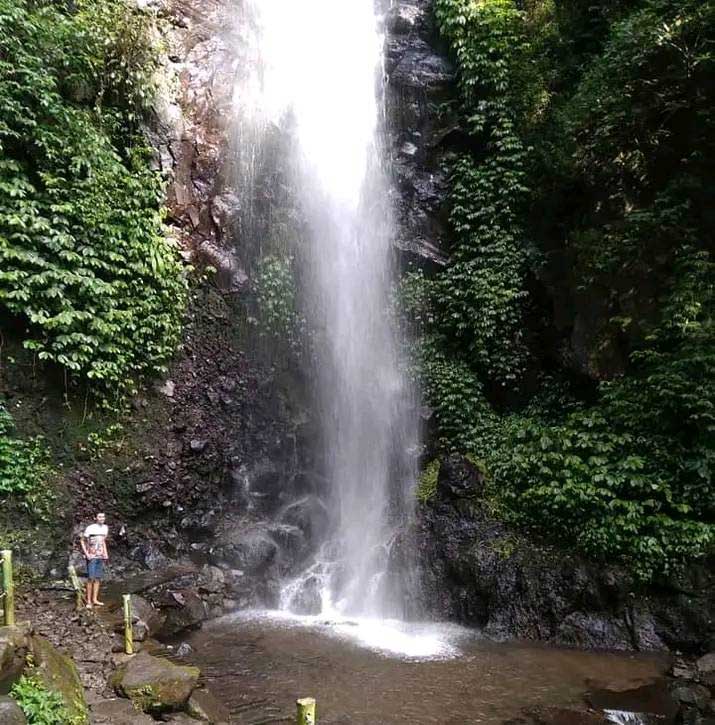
[128, 636]
[306, 711]
[8, 588]
[77, 586]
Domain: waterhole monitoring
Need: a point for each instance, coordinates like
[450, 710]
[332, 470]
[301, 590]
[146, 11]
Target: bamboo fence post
[306, 711]
[8, 588]
[79, 598]
[128, 636]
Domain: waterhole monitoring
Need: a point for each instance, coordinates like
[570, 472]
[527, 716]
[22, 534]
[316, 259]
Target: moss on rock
[154, 684]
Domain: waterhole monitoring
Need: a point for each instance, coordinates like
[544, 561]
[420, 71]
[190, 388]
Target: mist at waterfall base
[315, 73]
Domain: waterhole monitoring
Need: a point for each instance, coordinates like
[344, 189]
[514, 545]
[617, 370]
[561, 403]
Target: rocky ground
[79, 653]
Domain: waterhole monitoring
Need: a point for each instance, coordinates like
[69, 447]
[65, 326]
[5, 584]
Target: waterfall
[315, 75]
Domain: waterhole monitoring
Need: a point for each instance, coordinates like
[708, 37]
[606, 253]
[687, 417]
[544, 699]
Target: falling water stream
[317, 76]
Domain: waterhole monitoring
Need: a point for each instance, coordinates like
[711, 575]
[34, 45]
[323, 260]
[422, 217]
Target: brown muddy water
[259, 664]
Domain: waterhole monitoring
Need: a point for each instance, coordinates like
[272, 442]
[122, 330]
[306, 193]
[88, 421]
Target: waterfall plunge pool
[372, 672]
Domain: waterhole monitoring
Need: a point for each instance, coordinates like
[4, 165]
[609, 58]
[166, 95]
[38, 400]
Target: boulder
[154, 684]
[205, 706]
[251, 550]
[306, 597]
[692, 695]
[118, 712]
[149, 555]
[147, 619]
[10, 712]
[213, 580]
[58, 673]
[459, 478]
[706, 669]
[309, 515]
[184, 608]
[13, 647]
[706, 663]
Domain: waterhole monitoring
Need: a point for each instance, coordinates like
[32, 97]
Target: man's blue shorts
[95, 569]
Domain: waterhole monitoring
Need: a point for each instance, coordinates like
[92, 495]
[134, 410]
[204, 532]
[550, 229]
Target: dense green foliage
[478, 298]
[23, 467]
[85, 264]
[593, 126]
[41, 707]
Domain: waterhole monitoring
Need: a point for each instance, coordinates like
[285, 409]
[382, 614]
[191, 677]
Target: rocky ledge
[480, 573]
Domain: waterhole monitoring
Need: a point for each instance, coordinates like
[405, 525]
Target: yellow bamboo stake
[128, 636]
[8, 588]
[79, 598]
[306, 711]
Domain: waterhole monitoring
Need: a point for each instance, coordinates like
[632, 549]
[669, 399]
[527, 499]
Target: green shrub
[41, 707]
[24, 468]
[85, 261]
[427, 486]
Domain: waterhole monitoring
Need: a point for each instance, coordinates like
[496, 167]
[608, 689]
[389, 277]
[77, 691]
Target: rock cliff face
[420, 80]
[480, 573]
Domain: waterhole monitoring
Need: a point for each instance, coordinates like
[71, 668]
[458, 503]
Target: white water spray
[319, 77]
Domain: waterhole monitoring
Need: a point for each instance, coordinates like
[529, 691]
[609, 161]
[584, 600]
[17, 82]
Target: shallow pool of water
[361, 673]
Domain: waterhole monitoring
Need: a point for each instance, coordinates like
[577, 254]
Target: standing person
[94, 546]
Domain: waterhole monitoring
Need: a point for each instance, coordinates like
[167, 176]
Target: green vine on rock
[479, 297]
[85, 261]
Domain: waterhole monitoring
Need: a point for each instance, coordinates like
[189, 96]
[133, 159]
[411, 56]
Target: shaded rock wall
[420, 80]
[479, 572]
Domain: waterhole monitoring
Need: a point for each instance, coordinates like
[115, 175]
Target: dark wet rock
[198, 445]
[697, 696]
[58, 673]
[147, 619]
[205, 706]
[684, 671]
[459, 478]
[251, 550]
[420, 78]
[184, 609]
[154, 684]
[291, 541]
[308, 514]
[153, 579]
[265, 478]
[481, 573]
[10, 712]
[706, 669]
[149, 555]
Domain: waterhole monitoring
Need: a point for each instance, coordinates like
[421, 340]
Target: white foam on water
[626, 717]
[391, 638]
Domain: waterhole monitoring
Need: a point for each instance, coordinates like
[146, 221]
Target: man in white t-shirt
[94, 546]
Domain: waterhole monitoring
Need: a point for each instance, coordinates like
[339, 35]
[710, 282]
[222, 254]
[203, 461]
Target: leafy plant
[85, 261]
[278, 315]
[24, 468]
[41, 706]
